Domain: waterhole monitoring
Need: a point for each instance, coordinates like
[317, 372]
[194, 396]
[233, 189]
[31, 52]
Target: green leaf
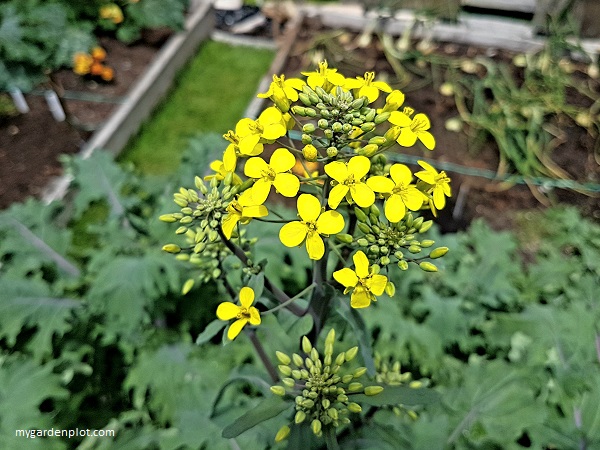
[210, 331]
[398, 395]
[265, 410]
[29, 304]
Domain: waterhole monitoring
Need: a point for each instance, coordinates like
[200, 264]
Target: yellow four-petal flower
[275, 173]
[364, 282]
[244, 313]
[242, 210]
[314, 223]
[269, 126]
[350, 180]
[440, 185]
[413, 128]
[367, 87]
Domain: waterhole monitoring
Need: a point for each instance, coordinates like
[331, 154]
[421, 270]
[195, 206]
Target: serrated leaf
[29, 304]
[265, 410]
[397, 395]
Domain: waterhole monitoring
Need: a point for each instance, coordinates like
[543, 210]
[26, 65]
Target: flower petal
[309, 207]
[229, 223]
[381, 184]
[362, 194]
[260, 190]
[439, 200]
[336, 195]
[227, 311]
[248, 145]
[255, 167]
[376, 284]
[287, 184]
[360, 298]
[330, 222]
[361, 264]
[246, 296]
[346, 277]
[254, 316]
[400, 119]
[255, 211]
[401, 174]
[337, 170]
[394, 208]
[427, 139]
[230, 158]
[359, 166]
[407, 138]
[282, 160]
[371, 92]
[235, 328]
[413, 198]
[315, 246]
[292, 234]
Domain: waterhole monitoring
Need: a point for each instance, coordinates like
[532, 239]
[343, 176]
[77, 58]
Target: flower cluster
[337, 173]
[92, 64]
[111, 12]
[322, 389]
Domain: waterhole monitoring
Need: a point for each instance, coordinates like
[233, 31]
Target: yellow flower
[314, 223]
[111, 12]
[273, 174]
[221, 172]
[82, 63]
[269, 126]
[349, 177]
[440, 185]
[400, 193]
[244, 313]
[413, 129]
[364, 280]
[232, 151]
[393, 101]
[366, 87]
[242, 210]
[283, 91]
[324, 77]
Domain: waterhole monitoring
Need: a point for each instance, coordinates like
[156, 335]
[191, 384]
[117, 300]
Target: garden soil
[30, 145]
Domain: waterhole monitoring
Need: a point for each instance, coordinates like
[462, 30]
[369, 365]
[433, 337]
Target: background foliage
[95, 334]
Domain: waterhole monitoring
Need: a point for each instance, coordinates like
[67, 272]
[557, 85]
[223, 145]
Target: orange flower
[107, 74]
[98, 53]
[96, 68]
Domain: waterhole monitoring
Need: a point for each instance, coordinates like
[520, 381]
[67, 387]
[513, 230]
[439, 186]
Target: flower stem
[294, 298]
[281, 296]
[263, 355]
[330, 438]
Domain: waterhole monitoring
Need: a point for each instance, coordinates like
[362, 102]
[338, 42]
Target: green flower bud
[172, 248]
[278, 390]
[438, 252]
[369, 150]
[321, 92]
[283, 358]
[362, 242]
[187, 286]
[306, 139]
[355, 387]
[314, 98]
[298, 361]
[354, 407]
[308, 403]
[306, 345]
[310, 112]
[428, 267]
[382, 117]
[168, 218]
[427, 243]
[367, 126]
[351, 353]
[373, 390]
[347, 378]
[304, 99]
[414, 249]
[377, 140]
[332, 152]
[333, 413]
[363, 227]
[314, 355]
[299, 417]
[358, 103]
[285, 370]
[322, 124]
[289, 382]
[316, 426]
[345, 238]
[392, 134]
[283, 433]
[181, 230]
[299, 110]
[375, 210]
[385, 260]
[390, 289]
[297, 374]
[336, 127]
[425, 226]
[308, 128]
[328, 134]
[403, 265]
[359, 372]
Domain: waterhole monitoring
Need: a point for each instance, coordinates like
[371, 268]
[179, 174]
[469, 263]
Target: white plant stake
[19, 100]
[54, 106]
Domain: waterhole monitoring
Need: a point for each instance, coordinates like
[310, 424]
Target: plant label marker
[19, 100]
[54, 106]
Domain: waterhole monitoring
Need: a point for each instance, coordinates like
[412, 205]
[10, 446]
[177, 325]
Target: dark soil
[30, 144]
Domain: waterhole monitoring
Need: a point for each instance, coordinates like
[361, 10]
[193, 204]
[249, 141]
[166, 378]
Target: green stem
[331, 438]
[263, 355]
[294, 298]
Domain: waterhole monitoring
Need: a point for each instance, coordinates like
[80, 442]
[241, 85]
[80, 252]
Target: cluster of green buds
[322, 388]
[200, 216]
[340, 120]
[389, 372]
[393, 243]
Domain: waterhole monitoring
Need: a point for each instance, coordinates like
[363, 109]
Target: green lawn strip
[211, 94]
